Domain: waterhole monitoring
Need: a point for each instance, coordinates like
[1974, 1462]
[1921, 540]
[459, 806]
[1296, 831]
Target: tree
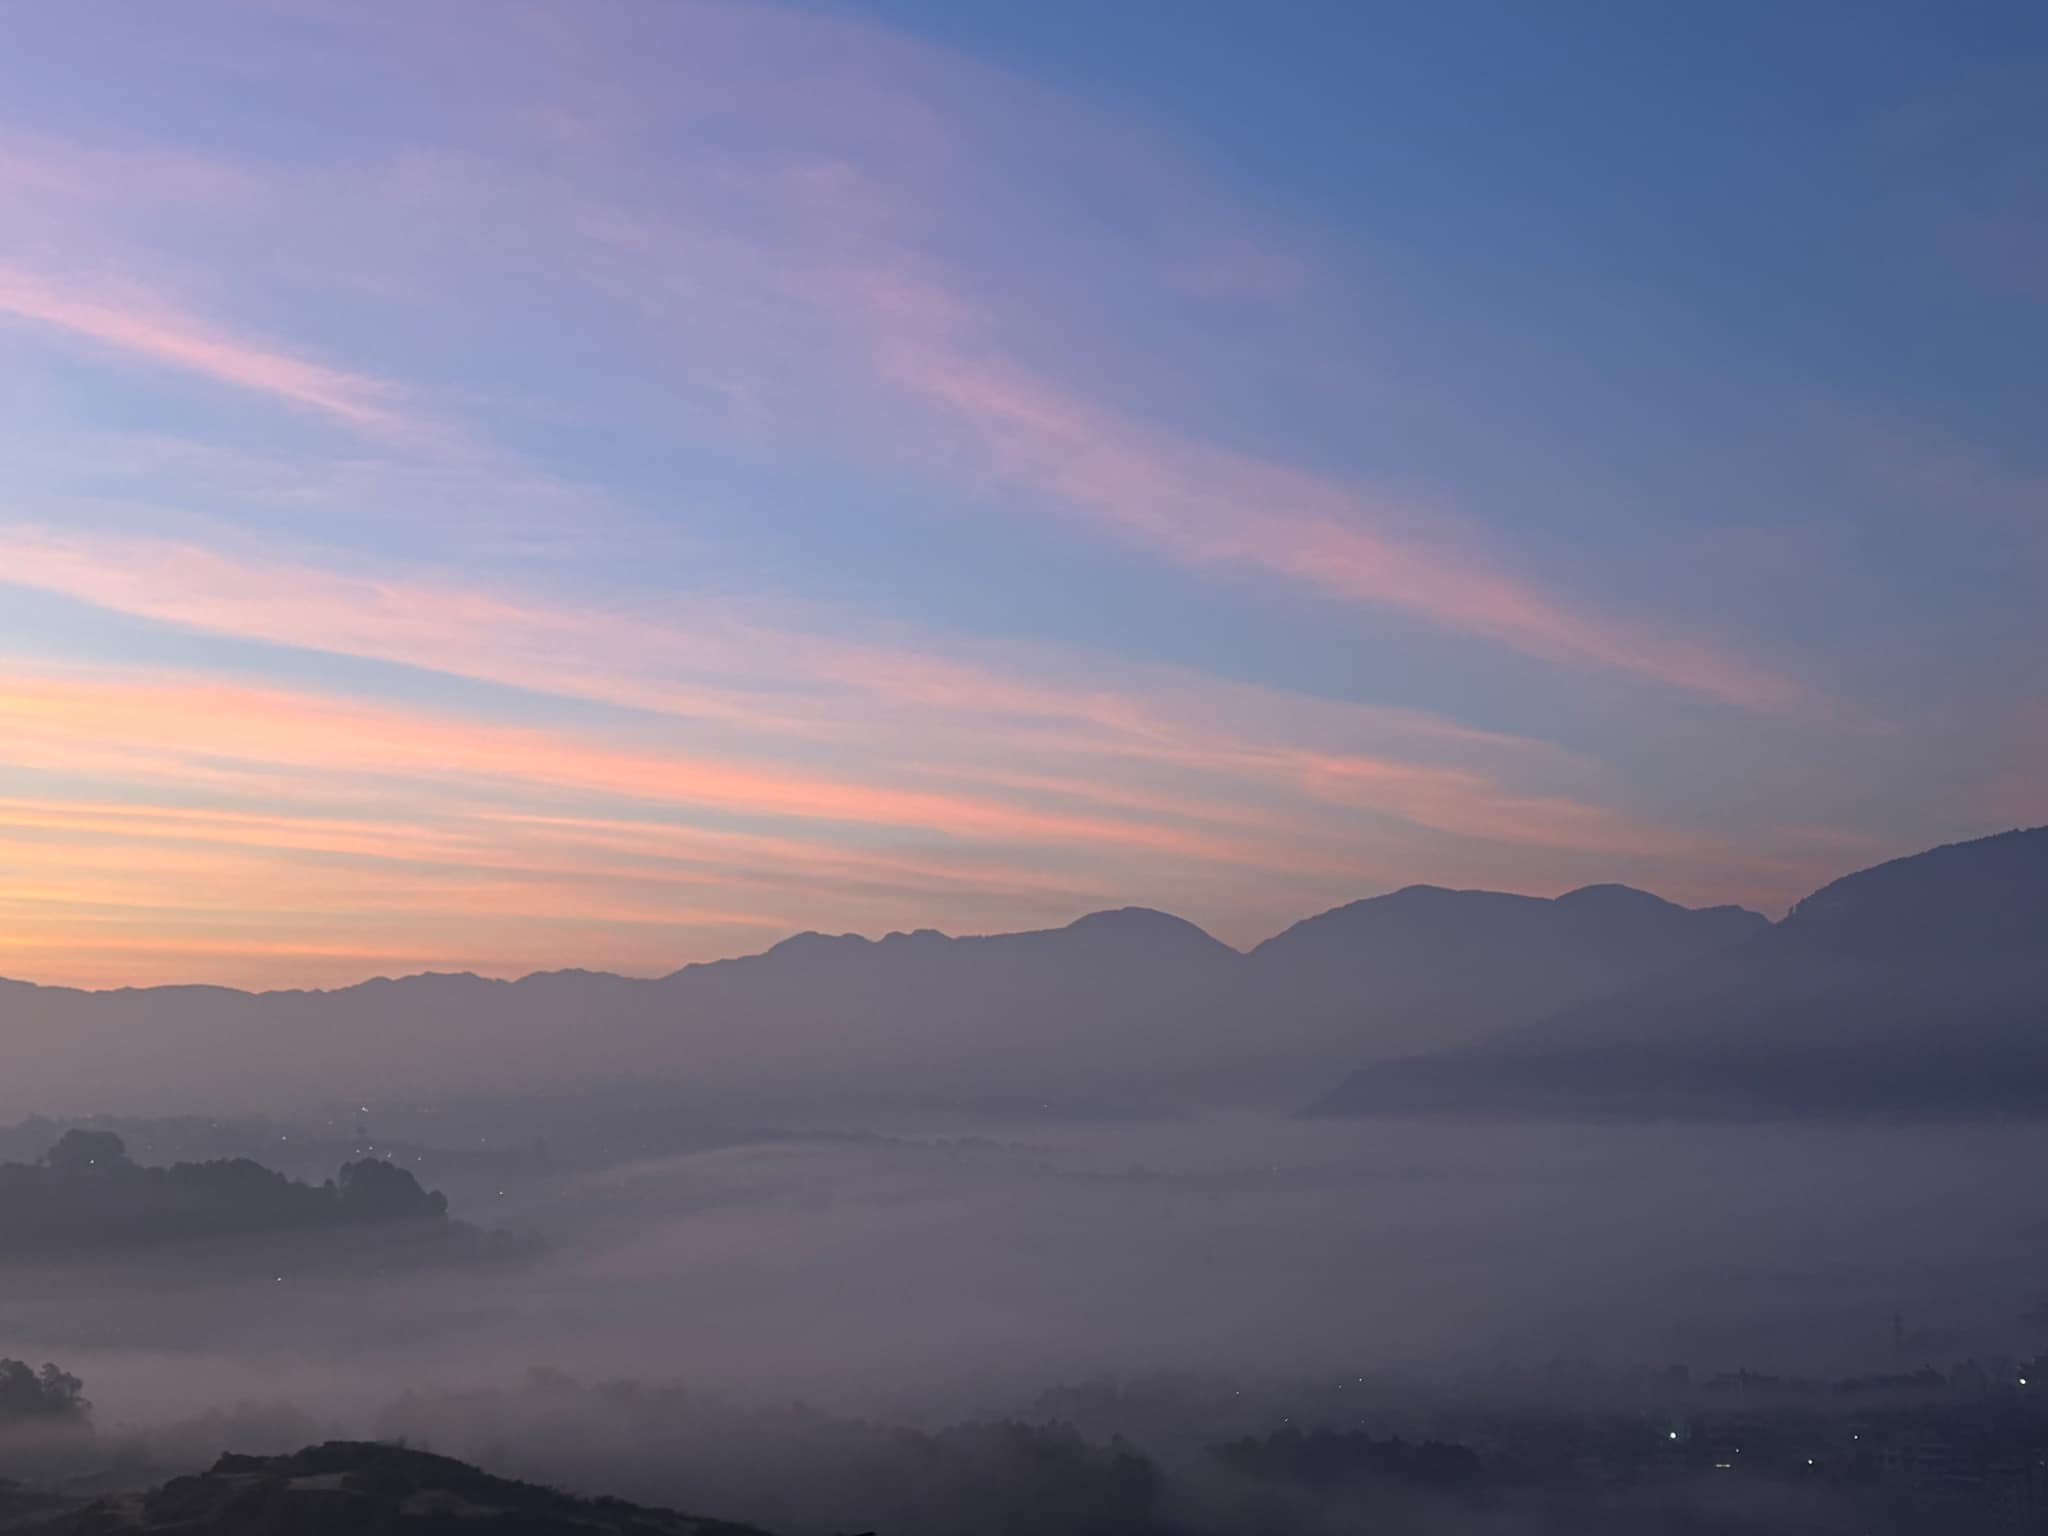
[50, 1393]
[374, 1190]
[83, 1151]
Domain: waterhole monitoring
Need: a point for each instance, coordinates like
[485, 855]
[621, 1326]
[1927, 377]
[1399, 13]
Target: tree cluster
[87, 1193]
[45, 1396]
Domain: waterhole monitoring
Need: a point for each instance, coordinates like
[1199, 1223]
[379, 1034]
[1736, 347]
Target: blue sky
[511, 486]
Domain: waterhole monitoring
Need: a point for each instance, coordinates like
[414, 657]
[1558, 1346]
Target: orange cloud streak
[199, 721]
[1096, 732]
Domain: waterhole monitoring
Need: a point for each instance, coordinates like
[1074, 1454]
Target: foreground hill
[1123, 1009]
[346, 1488]
[1918, 986]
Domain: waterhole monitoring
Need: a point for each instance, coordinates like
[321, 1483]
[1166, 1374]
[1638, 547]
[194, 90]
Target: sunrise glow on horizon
[505, 487]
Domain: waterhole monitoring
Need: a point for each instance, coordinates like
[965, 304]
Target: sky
[510, 486]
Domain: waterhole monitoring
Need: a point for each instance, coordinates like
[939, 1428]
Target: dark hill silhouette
[1129, 997]
[350, 1488]
[1917, 986]
[1439, 965]
[1121, 1009]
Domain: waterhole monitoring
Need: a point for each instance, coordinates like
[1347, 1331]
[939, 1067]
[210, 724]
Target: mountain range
[1919, 986]
[1919, 983]
[1123, 1009]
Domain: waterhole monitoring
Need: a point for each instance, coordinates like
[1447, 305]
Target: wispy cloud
[89, 723]
[622, 261]
[1212, 508]
[146, 329]
[955, 788]
[793, 219]
[1241, 746]
[828, 276]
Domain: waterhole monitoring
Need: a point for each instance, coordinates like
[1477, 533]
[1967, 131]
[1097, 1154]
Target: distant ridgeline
[87, 1193]
[1916, 987]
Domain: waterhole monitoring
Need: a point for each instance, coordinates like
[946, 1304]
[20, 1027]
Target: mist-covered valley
[936, 768]
[772, 1329]
[956, 1290]
[887, 1269]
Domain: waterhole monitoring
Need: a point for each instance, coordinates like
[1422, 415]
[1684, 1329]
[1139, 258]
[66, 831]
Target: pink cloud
[1236, 755]
[1209, 507]
[813, 276]
[89, 723]
[147, 329]
[781, 221]
[793, 223]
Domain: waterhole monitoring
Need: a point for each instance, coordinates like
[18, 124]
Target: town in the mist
[1164, 769]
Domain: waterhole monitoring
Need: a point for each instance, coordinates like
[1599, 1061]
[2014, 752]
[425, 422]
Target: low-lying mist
[887, 1273]
[800, 1330]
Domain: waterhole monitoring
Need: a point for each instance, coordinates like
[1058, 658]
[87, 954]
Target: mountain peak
[1998, 870]
[1613, 897]
[811, 942]
[1133, 920]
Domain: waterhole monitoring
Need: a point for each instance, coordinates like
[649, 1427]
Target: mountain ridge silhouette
[1918, 984]
[1128, 1006]
[1106, 917]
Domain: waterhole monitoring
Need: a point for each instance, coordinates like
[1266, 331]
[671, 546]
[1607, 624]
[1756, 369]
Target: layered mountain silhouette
[1119, 1009]
[1918, 986]
[1434, 965]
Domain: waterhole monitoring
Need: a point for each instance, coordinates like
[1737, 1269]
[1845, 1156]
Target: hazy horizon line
[511, 979]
